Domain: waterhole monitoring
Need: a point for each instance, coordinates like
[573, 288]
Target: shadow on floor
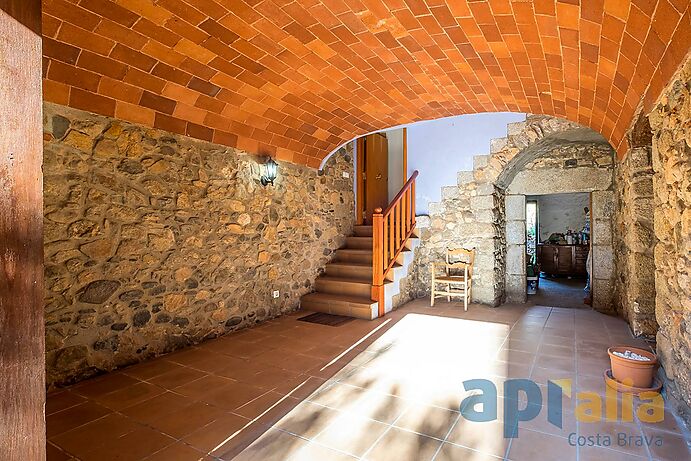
[559, 292]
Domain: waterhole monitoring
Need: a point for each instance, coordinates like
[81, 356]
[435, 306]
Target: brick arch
[297, 79]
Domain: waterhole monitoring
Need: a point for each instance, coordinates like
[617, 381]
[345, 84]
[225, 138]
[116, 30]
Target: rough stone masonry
[155, 241]
[671, 156]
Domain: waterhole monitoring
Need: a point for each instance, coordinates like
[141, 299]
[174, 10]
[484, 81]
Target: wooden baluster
[407, 211]
[412, 201]
[410, 210]
[392, 230]
[404, 214]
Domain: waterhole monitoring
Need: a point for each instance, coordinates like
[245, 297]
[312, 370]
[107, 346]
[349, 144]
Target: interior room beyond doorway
[558, 243]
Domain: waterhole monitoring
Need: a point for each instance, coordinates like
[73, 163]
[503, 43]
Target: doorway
[372, 176]
[557, 247]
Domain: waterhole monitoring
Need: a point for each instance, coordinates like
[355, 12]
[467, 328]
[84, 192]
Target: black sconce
[270, 172]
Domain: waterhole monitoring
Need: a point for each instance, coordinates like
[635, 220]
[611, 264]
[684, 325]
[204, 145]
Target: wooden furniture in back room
[563, 259]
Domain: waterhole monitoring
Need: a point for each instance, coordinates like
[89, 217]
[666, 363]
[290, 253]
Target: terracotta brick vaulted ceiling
[297, 78]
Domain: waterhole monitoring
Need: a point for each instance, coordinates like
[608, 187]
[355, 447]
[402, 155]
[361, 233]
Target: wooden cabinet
[563, 259]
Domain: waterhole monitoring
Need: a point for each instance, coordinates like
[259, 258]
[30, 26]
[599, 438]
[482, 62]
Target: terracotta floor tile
[337, 396]
[450, 452]
[130, 395]
[187, 420]
[177, 452]
[216, 434]
[200, 388]
[308, 420]
[613, 430]
[231, 396]
[669, 423]
[215, 362]
[530, 445]
[157, 407]
[379, 407]
[601, 454]
[271, 377]
[351, 434]
[102, 385]
[176, 378]
[73, 417]
[150, 369]
[62, 400]
[240, 349]
[397, 444]
[671, 447]
[556, 363]
[300, 387]
[272, 446]
[314, 452]
[136, 445]
[262, 404]
[96, 434]
[487, 437]
[427, 420]
[54, 453]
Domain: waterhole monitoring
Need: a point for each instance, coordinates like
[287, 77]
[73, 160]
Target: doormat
[326, 319]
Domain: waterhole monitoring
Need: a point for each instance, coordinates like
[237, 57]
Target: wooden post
[378, 259]
[22, 344]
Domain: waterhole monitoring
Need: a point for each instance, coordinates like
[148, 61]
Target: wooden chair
[456, 277]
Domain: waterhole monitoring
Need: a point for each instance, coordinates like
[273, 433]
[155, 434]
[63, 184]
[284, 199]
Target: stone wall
[154, 241]
[671, 129]
[634, 241]
[541, 155]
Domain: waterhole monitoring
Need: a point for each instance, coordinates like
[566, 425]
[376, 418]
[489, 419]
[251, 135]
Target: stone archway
[475, 211]
[573, 160]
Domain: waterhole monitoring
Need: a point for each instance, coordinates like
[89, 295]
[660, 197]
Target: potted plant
[632, 366]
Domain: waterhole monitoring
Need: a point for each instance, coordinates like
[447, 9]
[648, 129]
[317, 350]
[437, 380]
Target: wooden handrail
[391, 229]
[398, 196]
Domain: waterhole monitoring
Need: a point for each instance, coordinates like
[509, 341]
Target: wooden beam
[22, 344]
[405, 155]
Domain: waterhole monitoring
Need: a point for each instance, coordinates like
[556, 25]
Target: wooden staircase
[346, 287]
[364, 275]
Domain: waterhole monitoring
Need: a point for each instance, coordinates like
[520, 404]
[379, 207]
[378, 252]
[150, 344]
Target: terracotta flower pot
[636, 373]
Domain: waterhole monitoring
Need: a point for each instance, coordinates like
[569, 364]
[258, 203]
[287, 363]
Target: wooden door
[375, 175]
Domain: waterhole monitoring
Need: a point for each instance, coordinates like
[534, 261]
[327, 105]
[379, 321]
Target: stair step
[362, 231]
[351, 306]
[343, 286]
[360, 243]
[354, 256]
[349, 270]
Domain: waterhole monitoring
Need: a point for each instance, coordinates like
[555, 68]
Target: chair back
[458, 258]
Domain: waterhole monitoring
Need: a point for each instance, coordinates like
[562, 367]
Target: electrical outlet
[346, 174]
[276, 294]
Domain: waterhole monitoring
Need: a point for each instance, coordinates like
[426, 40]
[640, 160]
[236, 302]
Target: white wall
[560, 212]
[395, 145]
[439, 149]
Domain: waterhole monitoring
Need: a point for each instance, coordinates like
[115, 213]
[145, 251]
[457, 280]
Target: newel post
[378, 259]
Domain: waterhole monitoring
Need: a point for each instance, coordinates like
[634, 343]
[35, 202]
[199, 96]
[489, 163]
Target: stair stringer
[399, 272]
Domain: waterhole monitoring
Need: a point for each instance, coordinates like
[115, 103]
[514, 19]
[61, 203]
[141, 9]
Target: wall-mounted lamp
[270, 172]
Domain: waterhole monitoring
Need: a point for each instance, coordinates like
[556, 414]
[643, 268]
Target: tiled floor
[389, 389]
